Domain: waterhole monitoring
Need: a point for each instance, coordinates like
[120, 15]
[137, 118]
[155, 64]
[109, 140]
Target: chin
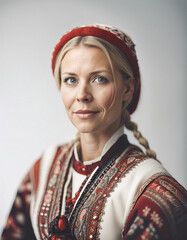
[86, 129]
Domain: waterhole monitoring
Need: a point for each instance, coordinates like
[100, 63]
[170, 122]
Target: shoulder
[161, 208]
[140, 168]
[43, 165]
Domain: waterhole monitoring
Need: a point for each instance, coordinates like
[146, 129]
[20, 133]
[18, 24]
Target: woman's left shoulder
[169, 195]
[170, 185]
[161, 208]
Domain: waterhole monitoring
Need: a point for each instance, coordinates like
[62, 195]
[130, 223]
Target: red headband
[112, 35]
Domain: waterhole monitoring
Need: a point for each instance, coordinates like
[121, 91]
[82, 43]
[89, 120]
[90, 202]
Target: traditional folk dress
[123, 195]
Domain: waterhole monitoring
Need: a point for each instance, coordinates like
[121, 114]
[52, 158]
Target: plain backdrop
[32, 115]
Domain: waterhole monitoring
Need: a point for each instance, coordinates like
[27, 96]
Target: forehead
[81, 55]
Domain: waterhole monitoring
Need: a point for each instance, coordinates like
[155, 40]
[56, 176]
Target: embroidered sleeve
[18, 225]
[159, 213]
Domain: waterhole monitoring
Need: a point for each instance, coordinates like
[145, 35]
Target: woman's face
[92, 102]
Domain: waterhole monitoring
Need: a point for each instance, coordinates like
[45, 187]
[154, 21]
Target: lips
[85, 114]
[85, 111]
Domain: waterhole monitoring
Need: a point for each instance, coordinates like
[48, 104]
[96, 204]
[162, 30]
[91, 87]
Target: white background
[31, 112]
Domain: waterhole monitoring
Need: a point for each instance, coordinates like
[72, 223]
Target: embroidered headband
[114, 36]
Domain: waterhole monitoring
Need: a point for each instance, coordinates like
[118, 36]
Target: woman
[99, 186]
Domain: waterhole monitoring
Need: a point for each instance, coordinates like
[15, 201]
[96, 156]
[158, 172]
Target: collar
[108, 151]
[107, 146]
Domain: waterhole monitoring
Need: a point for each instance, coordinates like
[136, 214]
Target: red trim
[119, 146]
[36, 174]
[85, 169]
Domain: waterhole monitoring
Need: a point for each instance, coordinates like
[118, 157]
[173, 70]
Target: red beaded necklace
[59, 228]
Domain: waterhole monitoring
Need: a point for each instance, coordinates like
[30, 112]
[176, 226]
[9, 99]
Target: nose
[84, 93]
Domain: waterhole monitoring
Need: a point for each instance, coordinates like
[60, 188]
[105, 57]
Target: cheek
[67, 98]
[113, 102]
[106, 98]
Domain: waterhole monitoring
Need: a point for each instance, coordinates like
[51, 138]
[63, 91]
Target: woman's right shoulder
[45, 163]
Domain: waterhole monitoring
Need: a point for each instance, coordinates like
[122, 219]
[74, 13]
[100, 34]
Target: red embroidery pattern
[50, 206]
[142, 228]
[143, 187]
[169, 198]
[119, 34]
[18, 224]
[89, 218]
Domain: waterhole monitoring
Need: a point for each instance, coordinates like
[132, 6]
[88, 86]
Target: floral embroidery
[146, 211]
[141, 227]
[50, 206]
[119, 34]
[153, 216]
[150, 232]
[139, 223]
[156, 219]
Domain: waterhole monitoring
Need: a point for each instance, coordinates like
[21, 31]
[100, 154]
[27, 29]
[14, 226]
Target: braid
[132, 126]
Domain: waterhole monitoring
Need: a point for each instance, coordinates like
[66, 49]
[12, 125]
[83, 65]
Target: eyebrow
[68, 73]
[91, 74]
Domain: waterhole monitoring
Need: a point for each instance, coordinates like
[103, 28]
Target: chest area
[103, 202]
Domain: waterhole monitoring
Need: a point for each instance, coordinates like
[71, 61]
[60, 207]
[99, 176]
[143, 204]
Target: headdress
[114, 36]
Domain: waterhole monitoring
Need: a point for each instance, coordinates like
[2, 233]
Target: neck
[93, 144]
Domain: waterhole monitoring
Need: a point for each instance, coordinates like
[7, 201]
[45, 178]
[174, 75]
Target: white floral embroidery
[143, 237]
[157, 188]
[138, 223]
[132, 229]
[151, 230]
[146, 211]
[150, 233]
[156, 219]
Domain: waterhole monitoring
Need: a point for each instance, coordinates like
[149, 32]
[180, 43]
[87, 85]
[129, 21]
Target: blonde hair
[116, 59]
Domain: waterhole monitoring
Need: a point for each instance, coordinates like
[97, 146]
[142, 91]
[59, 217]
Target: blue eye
[70, 80]
[101, 79]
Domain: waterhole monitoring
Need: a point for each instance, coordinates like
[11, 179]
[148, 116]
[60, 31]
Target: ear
[128, 89]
